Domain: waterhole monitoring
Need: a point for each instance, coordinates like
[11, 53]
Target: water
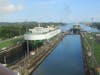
[89, 29]
[66, 59]
[83, 27]
[67, 27]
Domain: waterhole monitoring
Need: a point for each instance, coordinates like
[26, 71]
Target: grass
[6, 44]
[96, 48]
[97, 51]
[90, 63]
[10, 43]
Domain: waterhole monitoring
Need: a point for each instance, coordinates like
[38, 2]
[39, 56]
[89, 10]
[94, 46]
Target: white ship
[41, 33]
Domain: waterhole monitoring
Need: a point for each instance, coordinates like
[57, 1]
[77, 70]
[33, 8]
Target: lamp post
[27, 54]
[5, 61]
[27, 44]
[27, 47]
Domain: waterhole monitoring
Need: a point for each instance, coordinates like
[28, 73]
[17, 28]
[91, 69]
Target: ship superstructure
[41, 33]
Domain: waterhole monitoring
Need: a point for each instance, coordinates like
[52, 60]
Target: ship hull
[45, 36]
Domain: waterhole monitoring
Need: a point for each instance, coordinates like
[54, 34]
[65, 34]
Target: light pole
[27, 43]
[27, 47]
[5, 61]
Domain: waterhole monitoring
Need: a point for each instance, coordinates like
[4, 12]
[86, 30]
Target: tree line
[9, 30]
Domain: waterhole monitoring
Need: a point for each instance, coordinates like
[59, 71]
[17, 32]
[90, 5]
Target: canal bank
[91, 65]
[66, 59]
[87, 54]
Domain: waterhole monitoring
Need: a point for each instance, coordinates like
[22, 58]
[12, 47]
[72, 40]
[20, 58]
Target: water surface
[66, 59]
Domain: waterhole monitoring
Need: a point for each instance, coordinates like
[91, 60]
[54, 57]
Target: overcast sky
[49, 10]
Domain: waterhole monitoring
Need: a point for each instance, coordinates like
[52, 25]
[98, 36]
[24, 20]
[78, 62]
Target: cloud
[6, 7]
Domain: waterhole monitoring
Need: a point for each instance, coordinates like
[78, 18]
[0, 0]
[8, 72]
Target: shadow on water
[66, 59]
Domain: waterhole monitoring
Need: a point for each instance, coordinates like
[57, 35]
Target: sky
[49, 10]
